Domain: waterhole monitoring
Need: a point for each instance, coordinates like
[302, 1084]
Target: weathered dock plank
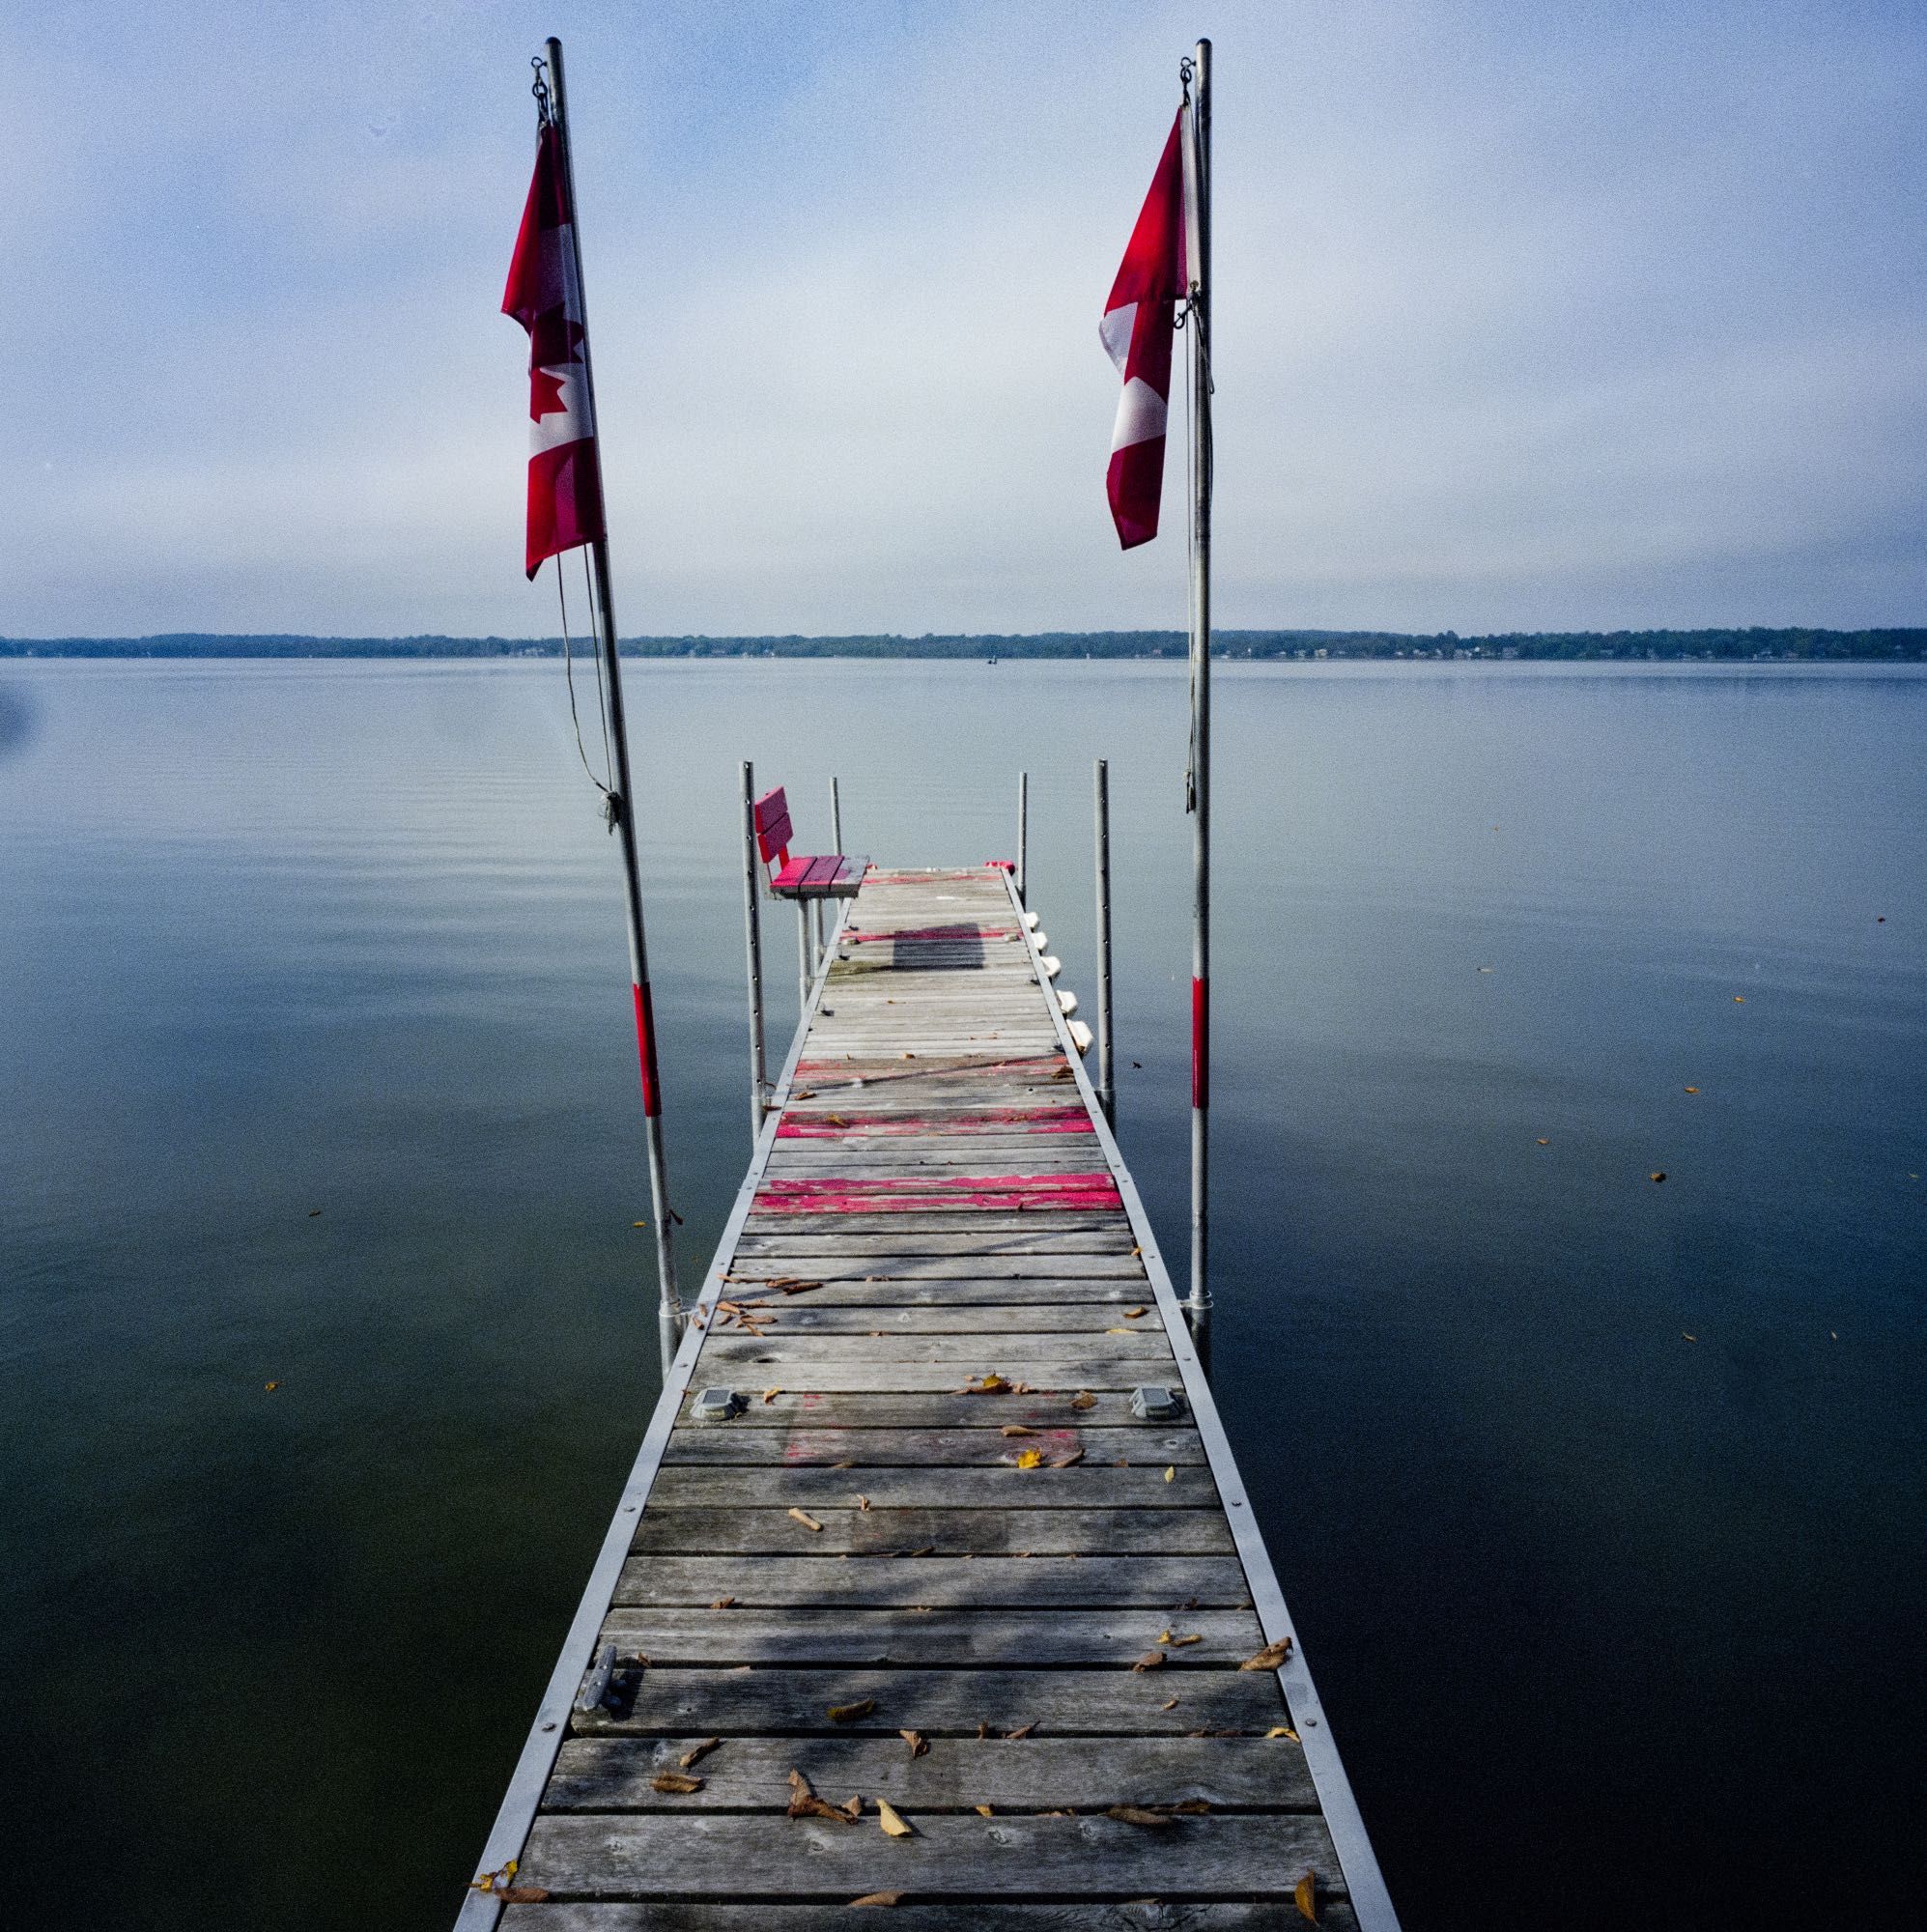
[933, 1511]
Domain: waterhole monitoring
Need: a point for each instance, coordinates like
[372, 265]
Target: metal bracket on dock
[596, 1680]
[1152, 1402]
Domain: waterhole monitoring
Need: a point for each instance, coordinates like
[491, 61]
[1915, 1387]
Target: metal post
[752, 928]
[836, 816]
[1107, 1097]
[806, 965]
[1023, 828]
[1197, 179]
[622, 807]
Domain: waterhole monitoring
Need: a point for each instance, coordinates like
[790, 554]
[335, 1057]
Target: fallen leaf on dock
[1132, 1313]
[771, 1394]
[984, 1810]
[1305, 1895]
[494, 1881]
[673, 1784]
[863, 1501]
[1016, 1428]
[1151, 1660]
[1270, 1657]
[879, 1898]
[804, 1517]
[893, 1821]
[1084, 1398]
[724, 1604]
[919, 1744]
[1171, 1474]
[1065, 1460]
[849, 1714]
[696, 1755]
[523, 1894]
[991, 1385]
[1030, 1459]
[1022, 1731]
[1138, 1815]
[982, 1728]
[1284, 1731]
[1178, 1642]
[1120, 1331]
[1168, 1704]
[804, 1802]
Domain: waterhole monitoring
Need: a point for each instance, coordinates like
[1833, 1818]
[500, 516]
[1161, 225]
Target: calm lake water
[1613, 1625]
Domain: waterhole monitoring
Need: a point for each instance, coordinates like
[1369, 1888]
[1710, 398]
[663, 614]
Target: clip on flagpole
[552, 101]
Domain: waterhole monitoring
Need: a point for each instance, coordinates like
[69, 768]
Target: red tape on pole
[646, 1046]
[1200, 1046]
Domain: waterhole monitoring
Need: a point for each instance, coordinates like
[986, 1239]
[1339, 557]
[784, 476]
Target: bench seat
[831, 876]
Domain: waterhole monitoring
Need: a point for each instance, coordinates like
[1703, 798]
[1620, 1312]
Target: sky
[1568, 316]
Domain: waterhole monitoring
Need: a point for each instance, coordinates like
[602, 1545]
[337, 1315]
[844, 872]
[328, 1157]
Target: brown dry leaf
[1151, 1660]
[1138, 1815]
[982, 1728]
[673, 1784]
[1192, 1808]
[769, 1395]
[1545, 1144]
[1084, 1398]
[1171, 1474]
[880, 1897]
[1305, 1895]
[1120, 1331]
[984, 1810]
[1137, 1251]
[1692, 1090]
[1030, 1459]
[1020, 1388]
[724, 1604]
[1284, 1731]
[1065, 1460]
[1270, 1657]
[799, 1287]
[1022, 1731]
[915, 1740]
[892, 1820]
[804, 1517]
[1132, 1313]
[863, 1501]
[926, 1549]
[1178, 1642]
[523, 1894]
[1168, 1704]
[804, 1802]
[848, 1713]
[1016, 1428]
[696, 1755]
[270, 1387]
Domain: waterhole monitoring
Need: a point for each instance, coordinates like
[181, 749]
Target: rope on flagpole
[568, 673]
[602, 694]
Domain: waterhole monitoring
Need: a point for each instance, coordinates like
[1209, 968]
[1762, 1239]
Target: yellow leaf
[984, 1810]
[1305, 1895]
[1016, 1428]
[848, 1713]
[1120, 1331]
[880, 1897]
[1132, 1313]
[270, 1387]
[991, 1385]
[1270, 1657]
[1178, 1642]
[771, 1394]
[804, 1517]
[1030, 1459]
[1171, 1474]
[892, 1820]
[1692, 1090]
[1282, 1731]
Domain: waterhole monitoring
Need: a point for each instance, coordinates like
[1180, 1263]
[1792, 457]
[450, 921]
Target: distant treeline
[1713, 646]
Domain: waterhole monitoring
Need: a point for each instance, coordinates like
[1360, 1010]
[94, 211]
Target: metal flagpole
[621, 808]
[1197, 312]
[1023, 829]
[836, 816]
[1105, 1095]
[752, 927]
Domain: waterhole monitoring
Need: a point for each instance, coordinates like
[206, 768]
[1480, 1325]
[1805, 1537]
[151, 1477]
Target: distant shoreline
[1715, 646]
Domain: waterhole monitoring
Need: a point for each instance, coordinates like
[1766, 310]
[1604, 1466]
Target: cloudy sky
[1537, 314]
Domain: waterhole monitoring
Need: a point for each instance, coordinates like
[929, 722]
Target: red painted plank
[1009, 1184]
[911, 1204]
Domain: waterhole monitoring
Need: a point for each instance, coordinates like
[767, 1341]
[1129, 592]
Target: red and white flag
[546, 296]
[1136, 332]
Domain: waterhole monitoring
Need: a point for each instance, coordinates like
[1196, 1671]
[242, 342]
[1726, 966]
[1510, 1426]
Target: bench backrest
[773, 828]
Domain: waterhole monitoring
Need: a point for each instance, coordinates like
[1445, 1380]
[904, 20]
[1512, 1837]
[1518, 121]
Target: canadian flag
[1136, 332]
[546, 296]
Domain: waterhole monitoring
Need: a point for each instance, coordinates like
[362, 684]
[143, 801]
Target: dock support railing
[1023, 829]
[1105, 1095]
[752, 931]
[806, 961]
[623, 801]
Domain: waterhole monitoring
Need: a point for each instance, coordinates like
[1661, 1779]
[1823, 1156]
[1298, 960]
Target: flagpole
[669, 1309]
[1198, 174]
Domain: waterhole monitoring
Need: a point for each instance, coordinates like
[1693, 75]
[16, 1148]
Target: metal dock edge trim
[1371, 1900]
[516, 1816]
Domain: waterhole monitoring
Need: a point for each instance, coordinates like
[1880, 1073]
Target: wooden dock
[932, 1560]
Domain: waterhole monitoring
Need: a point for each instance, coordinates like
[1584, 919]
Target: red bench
[831, 877]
